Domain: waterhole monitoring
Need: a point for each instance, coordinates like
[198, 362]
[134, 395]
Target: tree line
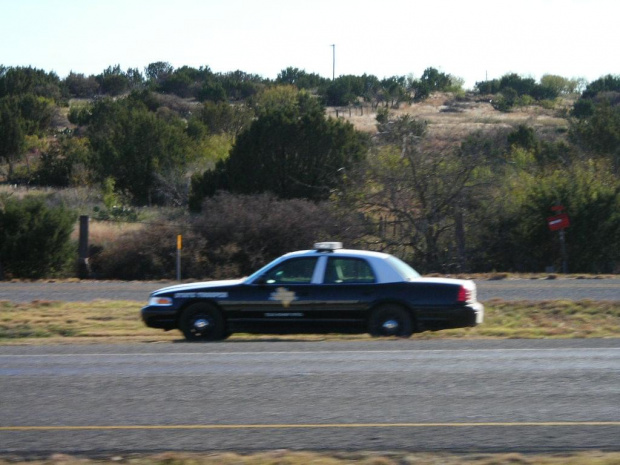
[184, 137]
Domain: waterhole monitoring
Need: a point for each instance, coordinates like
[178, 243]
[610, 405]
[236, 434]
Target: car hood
[198, 286]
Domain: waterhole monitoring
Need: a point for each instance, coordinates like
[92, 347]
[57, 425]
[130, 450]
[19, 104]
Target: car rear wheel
[390, 320]
[203, 322]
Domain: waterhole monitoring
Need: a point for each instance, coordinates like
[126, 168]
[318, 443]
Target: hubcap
[201, 323]
[390, 325]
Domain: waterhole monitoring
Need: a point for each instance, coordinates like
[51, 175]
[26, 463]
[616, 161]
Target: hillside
[226, 151]
[452, 119]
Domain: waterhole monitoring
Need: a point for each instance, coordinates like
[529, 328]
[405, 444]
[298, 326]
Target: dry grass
[100, 319]
[452, 119]
[106, 232]
[284, 457]
[106, 321]
[19, 192]
[547, 319]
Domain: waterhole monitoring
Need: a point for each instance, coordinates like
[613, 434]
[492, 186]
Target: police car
[325, 290]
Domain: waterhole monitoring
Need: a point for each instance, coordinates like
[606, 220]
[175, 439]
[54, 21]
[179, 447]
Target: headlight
[160, 301]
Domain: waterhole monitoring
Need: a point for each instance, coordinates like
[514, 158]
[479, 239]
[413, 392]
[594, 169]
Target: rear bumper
[454, 317]
[478, 310]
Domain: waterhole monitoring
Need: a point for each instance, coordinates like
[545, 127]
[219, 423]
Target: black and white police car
[325, 290]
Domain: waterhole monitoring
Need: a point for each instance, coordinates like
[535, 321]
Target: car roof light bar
[327, 246]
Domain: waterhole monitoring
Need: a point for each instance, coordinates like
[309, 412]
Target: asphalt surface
[487, 396]
[517, 289]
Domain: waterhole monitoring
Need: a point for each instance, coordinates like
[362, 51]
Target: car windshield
[402, 268]
[260, 271]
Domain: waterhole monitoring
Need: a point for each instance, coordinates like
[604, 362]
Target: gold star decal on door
[283, 295]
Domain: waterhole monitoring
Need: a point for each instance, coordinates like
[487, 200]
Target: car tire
[390, 320]
[203, 322]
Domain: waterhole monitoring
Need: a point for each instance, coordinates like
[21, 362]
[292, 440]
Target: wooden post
[83, 268]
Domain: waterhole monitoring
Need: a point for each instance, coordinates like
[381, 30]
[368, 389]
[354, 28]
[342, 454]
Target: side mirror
[261, 280]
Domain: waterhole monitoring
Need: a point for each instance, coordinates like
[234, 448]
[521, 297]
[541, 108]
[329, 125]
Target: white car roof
[345, 252]
[385, 272]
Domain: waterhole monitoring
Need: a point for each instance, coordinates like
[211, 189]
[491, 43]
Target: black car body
[327, 289]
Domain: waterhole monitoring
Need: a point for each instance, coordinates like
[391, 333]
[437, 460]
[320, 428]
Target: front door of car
[283, 297]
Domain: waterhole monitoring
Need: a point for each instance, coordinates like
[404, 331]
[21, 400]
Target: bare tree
[419, 192]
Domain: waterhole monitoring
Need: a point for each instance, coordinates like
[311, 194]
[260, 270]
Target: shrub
[487, 87]
[78, 85]
[506, 100]
[63, 163]
[525, 100]
[244, 232]
[603, 84]
[383, 115]
[149, 253]
[34, 238]
[291, 150]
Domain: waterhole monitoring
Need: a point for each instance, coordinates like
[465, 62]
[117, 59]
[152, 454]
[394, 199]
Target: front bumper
[157, 316]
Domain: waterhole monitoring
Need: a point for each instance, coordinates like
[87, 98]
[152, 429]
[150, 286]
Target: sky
[471, 39]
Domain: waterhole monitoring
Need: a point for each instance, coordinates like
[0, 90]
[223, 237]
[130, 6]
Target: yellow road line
[309, 426]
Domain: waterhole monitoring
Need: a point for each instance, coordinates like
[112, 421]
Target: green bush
[518, 237]
[506, 100]
[64, 163]
[525, 100]
[34, 238]
[290, 150]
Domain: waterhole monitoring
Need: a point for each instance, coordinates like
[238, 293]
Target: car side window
[293, 271]
[348, 271]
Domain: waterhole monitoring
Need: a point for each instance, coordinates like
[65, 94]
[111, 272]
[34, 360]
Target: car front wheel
[390, 320]
[202, 322]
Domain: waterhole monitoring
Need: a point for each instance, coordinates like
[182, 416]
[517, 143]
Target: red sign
[558, 222]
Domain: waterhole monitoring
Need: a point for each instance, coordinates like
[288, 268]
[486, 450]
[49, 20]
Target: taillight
[464, 295]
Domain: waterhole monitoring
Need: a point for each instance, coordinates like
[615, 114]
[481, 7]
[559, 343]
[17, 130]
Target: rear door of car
[349, 287]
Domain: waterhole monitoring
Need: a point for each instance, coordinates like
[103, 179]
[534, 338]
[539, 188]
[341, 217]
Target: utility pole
[333, 61]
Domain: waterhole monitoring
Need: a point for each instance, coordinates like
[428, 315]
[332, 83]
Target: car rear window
[348, 271]
[402, 268]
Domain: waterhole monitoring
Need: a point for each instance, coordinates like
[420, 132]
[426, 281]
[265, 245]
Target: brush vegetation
[451, 181]
[119, 321]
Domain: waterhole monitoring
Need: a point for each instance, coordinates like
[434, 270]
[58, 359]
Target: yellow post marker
[179, 247]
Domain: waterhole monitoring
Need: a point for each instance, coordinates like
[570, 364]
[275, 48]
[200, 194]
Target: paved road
[512, 395]
[519, 289]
